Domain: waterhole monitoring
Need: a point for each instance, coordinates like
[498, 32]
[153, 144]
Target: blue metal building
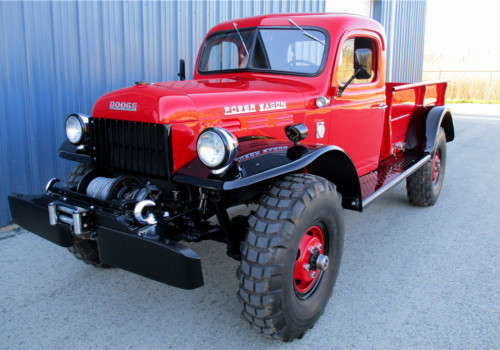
[60, 57]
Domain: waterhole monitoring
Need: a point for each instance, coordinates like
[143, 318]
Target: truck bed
[402, 99]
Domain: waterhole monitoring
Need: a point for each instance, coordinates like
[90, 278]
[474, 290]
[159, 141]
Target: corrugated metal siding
[60, 57]
[404, 22]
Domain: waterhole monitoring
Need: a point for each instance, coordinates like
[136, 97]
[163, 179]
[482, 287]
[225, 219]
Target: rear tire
[276, 300]
[424, 186]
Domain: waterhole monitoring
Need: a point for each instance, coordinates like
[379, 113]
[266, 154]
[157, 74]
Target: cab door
[357, 117]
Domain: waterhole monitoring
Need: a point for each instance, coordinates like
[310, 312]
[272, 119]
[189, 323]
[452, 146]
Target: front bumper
[136, 250]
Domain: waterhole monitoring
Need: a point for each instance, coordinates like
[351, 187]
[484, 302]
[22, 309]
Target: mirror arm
[342, 88]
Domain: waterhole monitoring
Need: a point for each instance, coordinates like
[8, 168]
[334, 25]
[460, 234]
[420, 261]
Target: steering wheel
[302, 61]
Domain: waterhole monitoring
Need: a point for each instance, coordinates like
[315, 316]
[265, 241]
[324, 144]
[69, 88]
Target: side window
[223, 55]
[346, 62]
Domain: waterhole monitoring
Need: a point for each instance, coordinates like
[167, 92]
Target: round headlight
[211, 149]
[217, 148]
[76, 128]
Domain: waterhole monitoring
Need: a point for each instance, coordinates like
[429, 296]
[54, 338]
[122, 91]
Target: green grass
[473, 101]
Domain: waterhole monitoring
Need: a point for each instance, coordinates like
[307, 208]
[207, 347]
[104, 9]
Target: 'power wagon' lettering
[251, 108]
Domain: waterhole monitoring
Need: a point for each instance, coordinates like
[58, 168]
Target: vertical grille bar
[136, 158]
[156, 171]
[129, 146]
[166, 132]
[115, 138]
[107, 147]
[93, 135]
[150, 150]
[160, 164]
[144, 168]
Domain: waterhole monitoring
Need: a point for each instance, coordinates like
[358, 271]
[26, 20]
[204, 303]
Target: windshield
[270, 49]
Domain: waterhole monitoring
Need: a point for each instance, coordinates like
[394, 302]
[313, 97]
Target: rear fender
[423, 128]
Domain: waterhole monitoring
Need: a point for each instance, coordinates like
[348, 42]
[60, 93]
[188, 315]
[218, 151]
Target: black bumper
[163, 261]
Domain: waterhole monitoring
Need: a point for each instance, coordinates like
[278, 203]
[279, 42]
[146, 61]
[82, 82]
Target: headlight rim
[83, 119]
[230, 143]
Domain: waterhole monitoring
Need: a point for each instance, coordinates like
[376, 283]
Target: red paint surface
[353, 122]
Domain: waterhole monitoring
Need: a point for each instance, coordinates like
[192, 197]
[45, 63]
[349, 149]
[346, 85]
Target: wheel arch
[424, 125]
[337, 167]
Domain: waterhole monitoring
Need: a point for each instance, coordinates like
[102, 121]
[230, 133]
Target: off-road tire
[266, 274]
[76, 175]
[87, 251]
[83, 249]
[422, 191]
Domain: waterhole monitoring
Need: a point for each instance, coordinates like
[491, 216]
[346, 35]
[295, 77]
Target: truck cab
[290, 112]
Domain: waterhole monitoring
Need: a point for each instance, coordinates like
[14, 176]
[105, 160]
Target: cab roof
[329, 21]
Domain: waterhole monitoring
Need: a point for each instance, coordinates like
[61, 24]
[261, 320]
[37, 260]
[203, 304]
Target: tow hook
[150, 219]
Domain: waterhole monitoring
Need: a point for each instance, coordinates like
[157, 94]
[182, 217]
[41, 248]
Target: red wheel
[436, 169]
[311, 260]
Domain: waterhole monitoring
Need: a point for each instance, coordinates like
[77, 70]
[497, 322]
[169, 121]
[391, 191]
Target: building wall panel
[58, 57]
[404, 23]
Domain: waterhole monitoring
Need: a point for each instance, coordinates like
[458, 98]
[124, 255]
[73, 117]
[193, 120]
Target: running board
[390, 173]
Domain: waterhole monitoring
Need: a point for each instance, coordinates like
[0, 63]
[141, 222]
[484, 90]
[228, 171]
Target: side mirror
[182, 70]
[363, 60]
[362, 68]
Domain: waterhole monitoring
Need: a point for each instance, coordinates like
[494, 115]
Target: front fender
[69, 151]
[423, 128]
[264, 159]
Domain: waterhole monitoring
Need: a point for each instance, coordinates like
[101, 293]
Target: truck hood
[193, 100]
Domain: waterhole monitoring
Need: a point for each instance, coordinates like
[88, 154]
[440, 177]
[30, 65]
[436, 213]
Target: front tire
[76, 175]
[278, 298]
[85, 250]
[424, 186]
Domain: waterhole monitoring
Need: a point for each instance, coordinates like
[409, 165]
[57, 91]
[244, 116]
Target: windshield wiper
[236, 27]
[306, 33]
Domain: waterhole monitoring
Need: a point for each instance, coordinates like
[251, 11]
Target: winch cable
[99, 188]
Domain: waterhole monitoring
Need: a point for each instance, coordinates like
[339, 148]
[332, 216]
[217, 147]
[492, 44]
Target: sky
[464, 28]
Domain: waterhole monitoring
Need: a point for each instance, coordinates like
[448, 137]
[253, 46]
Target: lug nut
[307, 267]
[311, 249]
[319, 246]
[313, 274]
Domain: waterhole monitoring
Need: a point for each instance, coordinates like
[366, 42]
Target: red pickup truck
[291, 112]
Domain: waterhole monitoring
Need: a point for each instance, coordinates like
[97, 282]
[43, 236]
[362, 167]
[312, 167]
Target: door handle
[383, 106]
